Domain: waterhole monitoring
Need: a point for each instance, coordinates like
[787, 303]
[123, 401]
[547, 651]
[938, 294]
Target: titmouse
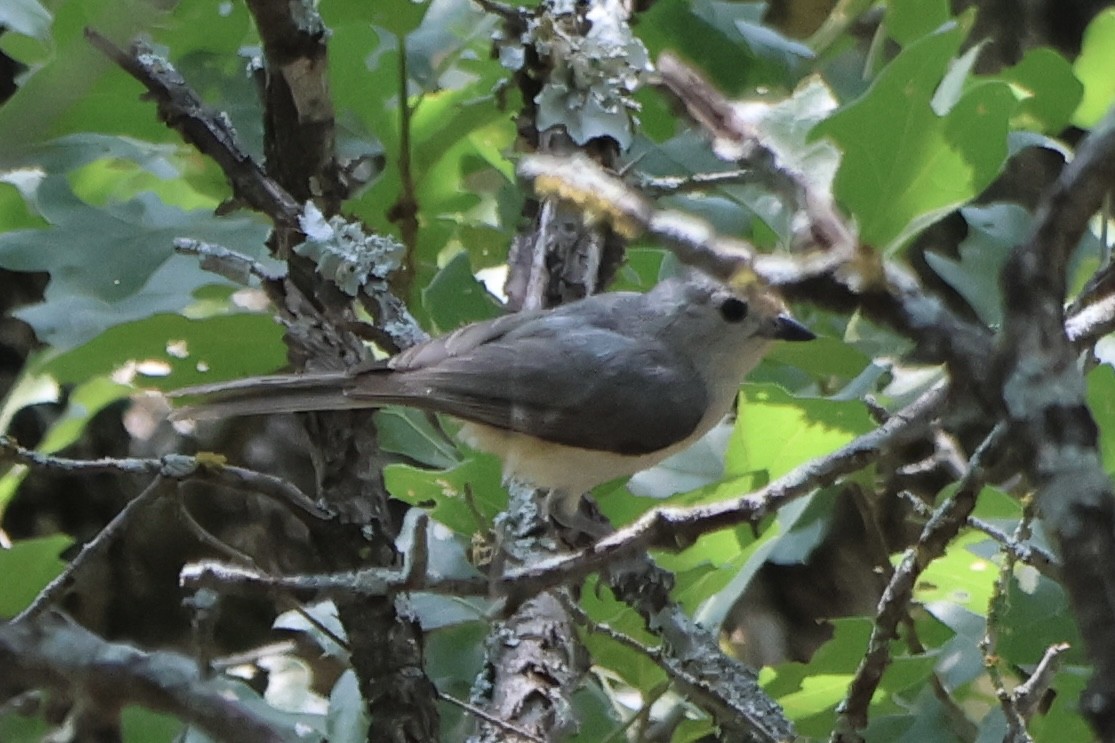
[568, 398]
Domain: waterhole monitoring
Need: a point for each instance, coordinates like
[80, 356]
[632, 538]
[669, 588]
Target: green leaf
[139, 723]
[596, 715]
[435, 611]
[454, 297]
[17, 728]
[909, 20]
[1063, 721]
[707, 32]
[114, 263]
[993, 231]
[700, 464]
[1037, 616]
[904, 164]
[750, 560]
[1094, 69]
[1049, 91]
[784, 126]
[776, 432]
[75, 151]
[823, 358]
[809, 692]
[412, 434]
[176, 351]
[1101, 402]
[455, 654]
[634, 668]
[923, 718]
[959, 577]
[807, 689]
[450, 40]
[75, 88]
[465, 498]
[805, 523]
[26, 569]
[400, 17]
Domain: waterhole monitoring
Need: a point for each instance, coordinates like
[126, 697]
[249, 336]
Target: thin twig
[93, 549]
[1029, 694]
[665, 185]
[676, 670]
[181, 108]
[1016, 723]
[208, 467]
[491, 719]
[225, 262]
[938, 532]
[209, 539]
[1027, 553]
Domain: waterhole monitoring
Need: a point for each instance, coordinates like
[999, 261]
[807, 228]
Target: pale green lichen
[343, 252]
[592, 76]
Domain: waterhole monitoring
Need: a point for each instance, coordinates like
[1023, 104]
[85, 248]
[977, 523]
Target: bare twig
[93, 549]
[664, 185]
[208, 467]
[369, 582]
[694, 685]
[734, 139]
[938, 532]
[1026, 553]
[247, 578]
[228, 263]
[181, 108]
[1016, 723]
[209, 539]
[1029, 694]
[490, 719]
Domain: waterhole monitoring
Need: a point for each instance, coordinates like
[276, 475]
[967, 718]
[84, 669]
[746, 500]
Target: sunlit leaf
[1094, 70]
[26, 568]
[904, 163]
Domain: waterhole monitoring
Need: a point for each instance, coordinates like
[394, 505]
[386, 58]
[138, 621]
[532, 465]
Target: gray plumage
[627, 374]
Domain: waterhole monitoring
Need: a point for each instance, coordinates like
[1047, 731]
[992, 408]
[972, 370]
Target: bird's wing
[592, 388]
[461, 341]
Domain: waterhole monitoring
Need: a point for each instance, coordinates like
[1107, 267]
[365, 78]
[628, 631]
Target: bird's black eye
[733, 310]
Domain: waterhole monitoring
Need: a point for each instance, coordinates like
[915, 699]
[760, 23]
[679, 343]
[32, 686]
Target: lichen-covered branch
[386, 645]
[1043, 394]
[54, 653]
[210, 132]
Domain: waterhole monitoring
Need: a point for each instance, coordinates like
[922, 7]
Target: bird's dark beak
[787, 328]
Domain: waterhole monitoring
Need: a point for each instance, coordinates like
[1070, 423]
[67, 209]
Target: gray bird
[567, 398]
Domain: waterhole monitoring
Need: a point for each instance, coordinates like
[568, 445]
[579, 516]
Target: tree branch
[893, 607]
[49, 651]
[1043, 393]
[211, 133]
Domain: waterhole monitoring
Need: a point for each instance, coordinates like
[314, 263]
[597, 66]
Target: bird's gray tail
[280, 393]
